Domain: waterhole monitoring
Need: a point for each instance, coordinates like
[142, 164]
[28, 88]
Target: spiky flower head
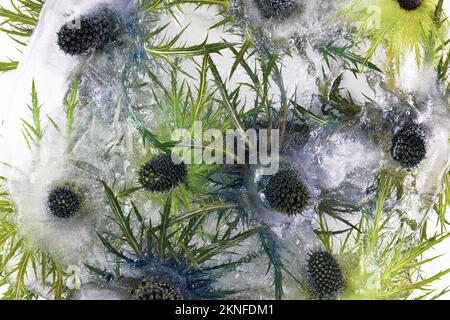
[64, 202]
[400, 26]
[161, 174]
[150, 289]
[409, 146]
[325, 280]
[91, 32]
[286, 192]
[409, 4]
[275, 8]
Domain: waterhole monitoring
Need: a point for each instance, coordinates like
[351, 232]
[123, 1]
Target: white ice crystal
[342, 161]
[310, 17]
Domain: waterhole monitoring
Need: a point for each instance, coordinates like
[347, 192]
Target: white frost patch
[414, 78]
[35, 171]
[343, 160]
[310, 17]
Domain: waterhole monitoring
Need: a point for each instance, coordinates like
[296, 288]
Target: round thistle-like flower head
[399, 26]
[409, 4]
[88, 33]
[64, 202]
[409, 146]
[161, 174]
[324, 276]
[275, 8]
[286, 192]
[150, 289]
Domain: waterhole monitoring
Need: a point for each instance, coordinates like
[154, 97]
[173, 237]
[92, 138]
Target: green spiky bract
[387, 25]
[18, 259]
[19, 23]
[157, 246]
[442, 205]
[182, 104]
[379, 263]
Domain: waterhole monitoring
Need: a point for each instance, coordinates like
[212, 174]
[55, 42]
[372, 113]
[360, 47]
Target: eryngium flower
[64, 202]
[409, 4]
[286, 192]
[94, 31]
[325, 280]
[398, 26]
[275, 8]
[409, 146]
[161, 174]
[150, 289]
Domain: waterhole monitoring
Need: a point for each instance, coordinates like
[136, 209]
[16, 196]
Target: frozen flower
[399, 26]
[325, 278]
[95, 31]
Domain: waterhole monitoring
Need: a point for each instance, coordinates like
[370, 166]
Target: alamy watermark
[212, 146]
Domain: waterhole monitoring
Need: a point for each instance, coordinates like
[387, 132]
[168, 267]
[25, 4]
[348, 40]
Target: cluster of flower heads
[401, 26]
[285, 192]
[83, 35]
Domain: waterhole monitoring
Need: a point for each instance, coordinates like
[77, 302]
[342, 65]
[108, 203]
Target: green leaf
[122, 221]
[207, 253]
[8, 66]
[111, 248]
[352, 61]
[275, 262]
[165, 218]
[241, 55]
[33, 132]
[150, 137]
[226, 99]
[71, 103]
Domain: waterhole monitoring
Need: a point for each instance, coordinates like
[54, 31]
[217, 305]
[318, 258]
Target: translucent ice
[82, 157]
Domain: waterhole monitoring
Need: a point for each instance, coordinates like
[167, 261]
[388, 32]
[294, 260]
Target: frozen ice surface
[292, 242]
[98, 294]
[300, 72]
[100, 119]
[198, 21]
[341, 161]
[307, 17]
[424, 184]
[419, 99]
